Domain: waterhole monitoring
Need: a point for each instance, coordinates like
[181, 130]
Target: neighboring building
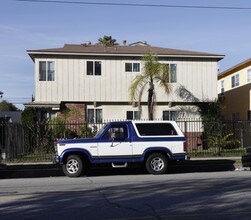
[234, 89]
[10, 116]
[91, 82]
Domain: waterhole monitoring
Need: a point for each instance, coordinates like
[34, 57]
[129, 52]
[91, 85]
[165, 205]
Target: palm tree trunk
[150, 100]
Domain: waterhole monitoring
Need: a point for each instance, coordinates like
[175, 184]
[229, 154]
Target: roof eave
[213, 56]
[42, 105]
[235, 68]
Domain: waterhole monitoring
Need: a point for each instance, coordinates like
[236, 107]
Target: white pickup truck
[119, 144]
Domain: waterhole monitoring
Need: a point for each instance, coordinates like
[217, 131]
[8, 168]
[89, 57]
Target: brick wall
[73, 112]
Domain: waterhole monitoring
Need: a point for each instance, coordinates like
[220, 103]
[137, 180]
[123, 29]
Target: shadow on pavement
[51, 170]
[29, 171]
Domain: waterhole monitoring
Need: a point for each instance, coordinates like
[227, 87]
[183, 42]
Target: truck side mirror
[113, 136]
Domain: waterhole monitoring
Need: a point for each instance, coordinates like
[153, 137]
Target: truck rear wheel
[73, 166]
[156, 164]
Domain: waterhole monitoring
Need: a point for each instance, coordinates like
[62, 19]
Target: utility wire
[138, 5]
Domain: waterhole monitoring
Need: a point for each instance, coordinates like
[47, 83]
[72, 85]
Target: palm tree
[153, 72]
[107, 40]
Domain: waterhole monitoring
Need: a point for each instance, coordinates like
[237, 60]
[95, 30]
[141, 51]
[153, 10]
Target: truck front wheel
[156, 164]
[73, 166]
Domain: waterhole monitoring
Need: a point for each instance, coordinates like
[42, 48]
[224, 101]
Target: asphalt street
[192, 195]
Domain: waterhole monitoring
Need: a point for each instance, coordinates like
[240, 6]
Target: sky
[26, 25]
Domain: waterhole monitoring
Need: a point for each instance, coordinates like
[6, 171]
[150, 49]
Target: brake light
[185, 146]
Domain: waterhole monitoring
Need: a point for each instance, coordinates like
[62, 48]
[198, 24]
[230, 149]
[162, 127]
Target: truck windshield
[101, 131]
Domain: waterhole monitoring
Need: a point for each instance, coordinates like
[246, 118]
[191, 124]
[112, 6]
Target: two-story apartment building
[234, 89]
[92, 82]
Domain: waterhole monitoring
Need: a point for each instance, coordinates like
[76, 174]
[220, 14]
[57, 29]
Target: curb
[48, 169]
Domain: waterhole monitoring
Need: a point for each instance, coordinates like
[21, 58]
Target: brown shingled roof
[121, 50]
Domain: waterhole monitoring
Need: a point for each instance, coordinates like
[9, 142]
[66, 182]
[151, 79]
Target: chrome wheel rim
[157, 164]
[72, 166]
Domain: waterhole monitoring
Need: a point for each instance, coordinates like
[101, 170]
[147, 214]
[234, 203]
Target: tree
[28, 116]
[210, 111]
[7, 106]
[107, 40]
[153, 72]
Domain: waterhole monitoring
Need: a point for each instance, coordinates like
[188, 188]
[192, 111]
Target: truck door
[115, 142]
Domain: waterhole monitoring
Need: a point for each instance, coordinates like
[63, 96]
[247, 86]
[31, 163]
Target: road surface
[205, 195]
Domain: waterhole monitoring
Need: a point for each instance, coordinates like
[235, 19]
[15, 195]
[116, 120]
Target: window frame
[114, 129]
[171, 78]
[172, 75]
[132, 67]
[135, 115]
[172, 115]
[249, 75]
[222, 88]
[46, 71]
[235, 80]
[94, 68]
[155, 129]
[48, 115]
[97, 115]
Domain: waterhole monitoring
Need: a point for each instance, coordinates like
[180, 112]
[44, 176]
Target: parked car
[246, 158]
[119, 144]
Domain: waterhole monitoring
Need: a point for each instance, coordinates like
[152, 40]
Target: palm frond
[163, 78]
[137, 86]
[153, 72]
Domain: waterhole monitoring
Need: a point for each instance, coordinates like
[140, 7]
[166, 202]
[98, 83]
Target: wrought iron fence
[35, 142]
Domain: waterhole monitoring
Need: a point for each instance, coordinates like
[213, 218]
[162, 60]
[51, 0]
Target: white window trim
[95, 114]
[236, 83]
[132, 67]
[249, 75]
[93, 66]
[169, 67]
[222, 86]
[133, 112]
[46, 61]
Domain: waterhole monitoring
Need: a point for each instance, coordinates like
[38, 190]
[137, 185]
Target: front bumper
[246, 160]
[55, 159]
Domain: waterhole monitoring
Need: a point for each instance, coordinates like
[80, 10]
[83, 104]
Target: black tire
[156, 163]
[73, 167]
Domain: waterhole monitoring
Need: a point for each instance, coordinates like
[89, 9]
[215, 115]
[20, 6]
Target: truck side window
[156, 129]
[120, 132]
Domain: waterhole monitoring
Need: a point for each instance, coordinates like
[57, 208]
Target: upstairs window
[132, 67]
[235, 80]
[172, 68]
[46, 71]
[249, 75]
[222, 86]
[93, 68]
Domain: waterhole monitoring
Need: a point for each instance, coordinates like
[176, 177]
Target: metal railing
[35, 142]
